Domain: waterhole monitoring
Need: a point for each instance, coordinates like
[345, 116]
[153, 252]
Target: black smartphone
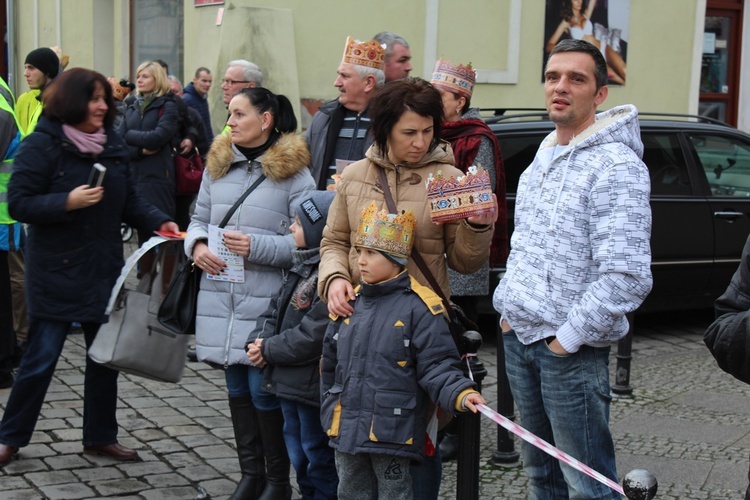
[97, 175]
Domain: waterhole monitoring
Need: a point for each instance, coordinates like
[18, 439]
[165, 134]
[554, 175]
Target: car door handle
[728, 216]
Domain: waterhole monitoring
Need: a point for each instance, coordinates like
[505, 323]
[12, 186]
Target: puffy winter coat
[152, 129]
[463, 247]
[728, 338]
[227, 312]
[383, 365]
[293, 328]
[73, 258]
[580, 255]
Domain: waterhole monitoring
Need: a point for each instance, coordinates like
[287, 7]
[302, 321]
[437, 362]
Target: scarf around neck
[86, 143]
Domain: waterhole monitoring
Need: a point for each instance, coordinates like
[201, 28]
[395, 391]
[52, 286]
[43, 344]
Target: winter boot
[249, 448]
[448, 440]
[271, 425]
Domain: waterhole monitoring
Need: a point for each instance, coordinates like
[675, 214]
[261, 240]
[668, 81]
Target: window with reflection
[726, 161]
[157, 34]
[666, 164]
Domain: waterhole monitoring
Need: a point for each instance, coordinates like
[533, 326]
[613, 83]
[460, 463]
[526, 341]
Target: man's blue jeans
[563, 399]
[309, 452]
[45, 343]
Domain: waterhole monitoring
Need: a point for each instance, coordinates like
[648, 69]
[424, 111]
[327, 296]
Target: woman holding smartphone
[73, 251]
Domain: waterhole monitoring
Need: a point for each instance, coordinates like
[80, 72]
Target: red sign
[203, 3]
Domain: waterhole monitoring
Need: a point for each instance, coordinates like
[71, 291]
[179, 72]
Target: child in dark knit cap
[289, 342]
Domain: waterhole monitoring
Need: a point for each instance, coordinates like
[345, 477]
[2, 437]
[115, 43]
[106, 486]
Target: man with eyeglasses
[240, 74]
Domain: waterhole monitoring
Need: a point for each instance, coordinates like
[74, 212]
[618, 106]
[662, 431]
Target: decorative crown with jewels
[389, 233]
[459, 197]
[457, 79]
[370, 54]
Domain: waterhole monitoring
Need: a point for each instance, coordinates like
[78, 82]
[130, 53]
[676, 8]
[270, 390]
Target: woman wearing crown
[407, 119]
[473, 144]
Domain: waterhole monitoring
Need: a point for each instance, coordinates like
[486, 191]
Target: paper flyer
[234, 272]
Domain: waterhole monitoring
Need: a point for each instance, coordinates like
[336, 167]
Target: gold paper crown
[389, 233]
[370, 54]
[457, 79]
[459, 197]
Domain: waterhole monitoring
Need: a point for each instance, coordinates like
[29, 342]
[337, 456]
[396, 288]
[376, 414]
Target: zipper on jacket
[229, 327]
[355, 132]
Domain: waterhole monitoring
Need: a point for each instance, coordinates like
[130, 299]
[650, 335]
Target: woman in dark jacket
[148, 127]
[74, 251]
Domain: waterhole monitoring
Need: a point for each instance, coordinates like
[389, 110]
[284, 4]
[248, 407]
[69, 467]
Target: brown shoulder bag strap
[415, 255]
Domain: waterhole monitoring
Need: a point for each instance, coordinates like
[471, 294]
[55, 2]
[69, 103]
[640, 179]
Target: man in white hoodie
[580, 261]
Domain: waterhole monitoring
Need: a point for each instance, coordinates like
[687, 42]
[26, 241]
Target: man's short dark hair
[600, 65]
[396, 98]
[201, 70]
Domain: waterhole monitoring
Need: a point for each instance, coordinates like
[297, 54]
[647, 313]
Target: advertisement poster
[604, 23]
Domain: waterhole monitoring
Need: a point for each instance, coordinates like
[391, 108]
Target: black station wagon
[700, 199]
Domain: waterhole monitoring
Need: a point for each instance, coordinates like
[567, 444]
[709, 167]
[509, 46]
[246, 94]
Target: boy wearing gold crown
[383, 365]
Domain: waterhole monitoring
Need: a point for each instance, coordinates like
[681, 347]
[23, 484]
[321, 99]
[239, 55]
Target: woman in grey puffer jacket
[262, 142]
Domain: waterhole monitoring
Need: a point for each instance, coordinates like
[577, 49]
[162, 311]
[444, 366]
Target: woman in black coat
[148, 127]
[74, 251]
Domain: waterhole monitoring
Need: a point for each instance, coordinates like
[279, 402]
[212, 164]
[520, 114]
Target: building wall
[477, 31]
[299, 43]
[93, 33]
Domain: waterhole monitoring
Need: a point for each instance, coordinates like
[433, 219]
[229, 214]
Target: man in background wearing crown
[397, 55]
[383, 365]
[339, 129]
[580, 260]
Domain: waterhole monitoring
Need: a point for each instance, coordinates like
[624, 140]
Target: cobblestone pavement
[687, 422]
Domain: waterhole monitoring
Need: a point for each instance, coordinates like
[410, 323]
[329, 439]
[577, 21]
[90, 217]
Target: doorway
[719, 85]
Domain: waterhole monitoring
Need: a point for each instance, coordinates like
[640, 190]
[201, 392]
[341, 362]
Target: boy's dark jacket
[293, 327]
[728, 337]
[383, 365]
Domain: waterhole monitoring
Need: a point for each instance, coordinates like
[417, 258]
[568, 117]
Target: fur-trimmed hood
[282, 160]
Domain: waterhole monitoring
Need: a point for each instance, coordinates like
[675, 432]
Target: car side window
[726, 161]
[666, 164]
[518, 153]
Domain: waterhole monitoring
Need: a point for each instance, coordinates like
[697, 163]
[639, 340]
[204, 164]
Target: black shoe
[448, 447]
[6, 380]
[192, 355]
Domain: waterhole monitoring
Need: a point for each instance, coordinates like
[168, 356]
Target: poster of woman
[604, 23]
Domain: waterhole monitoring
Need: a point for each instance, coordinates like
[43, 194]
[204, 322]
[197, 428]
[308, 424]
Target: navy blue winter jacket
[73, 258]
[382, 366]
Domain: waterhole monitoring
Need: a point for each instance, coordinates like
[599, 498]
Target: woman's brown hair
[67, 98]
[399, 96]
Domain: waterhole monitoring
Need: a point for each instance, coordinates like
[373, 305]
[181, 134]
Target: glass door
[719, 68]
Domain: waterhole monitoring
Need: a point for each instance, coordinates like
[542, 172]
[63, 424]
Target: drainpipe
[10, 16]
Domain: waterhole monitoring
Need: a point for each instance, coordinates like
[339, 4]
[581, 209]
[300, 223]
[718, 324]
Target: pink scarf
[86, 143]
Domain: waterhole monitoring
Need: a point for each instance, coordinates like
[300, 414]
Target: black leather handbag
[178, 309]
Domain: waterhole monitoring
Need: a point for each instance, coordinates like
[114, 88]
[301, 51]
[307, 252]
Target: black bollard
[640, 484]
[505, 452]
[622, 370]
[469, 425]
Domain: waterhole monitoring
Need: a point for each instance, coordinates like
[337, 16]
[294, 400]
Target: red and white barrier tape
[548, 448]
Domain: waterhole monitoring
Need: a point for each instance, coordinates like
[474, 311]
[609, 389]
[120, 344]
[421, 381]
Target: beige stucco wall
[93, 33]
[659, 61]
[299, 43]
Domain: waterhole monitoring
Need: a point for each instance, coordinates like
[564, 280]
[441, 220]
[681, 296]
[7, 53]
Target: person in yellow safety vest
[10, 233]
[42, 65]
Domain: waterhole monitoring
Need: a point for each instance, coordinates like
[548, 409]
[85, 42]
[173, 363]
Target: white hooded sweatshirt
[580, 254]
